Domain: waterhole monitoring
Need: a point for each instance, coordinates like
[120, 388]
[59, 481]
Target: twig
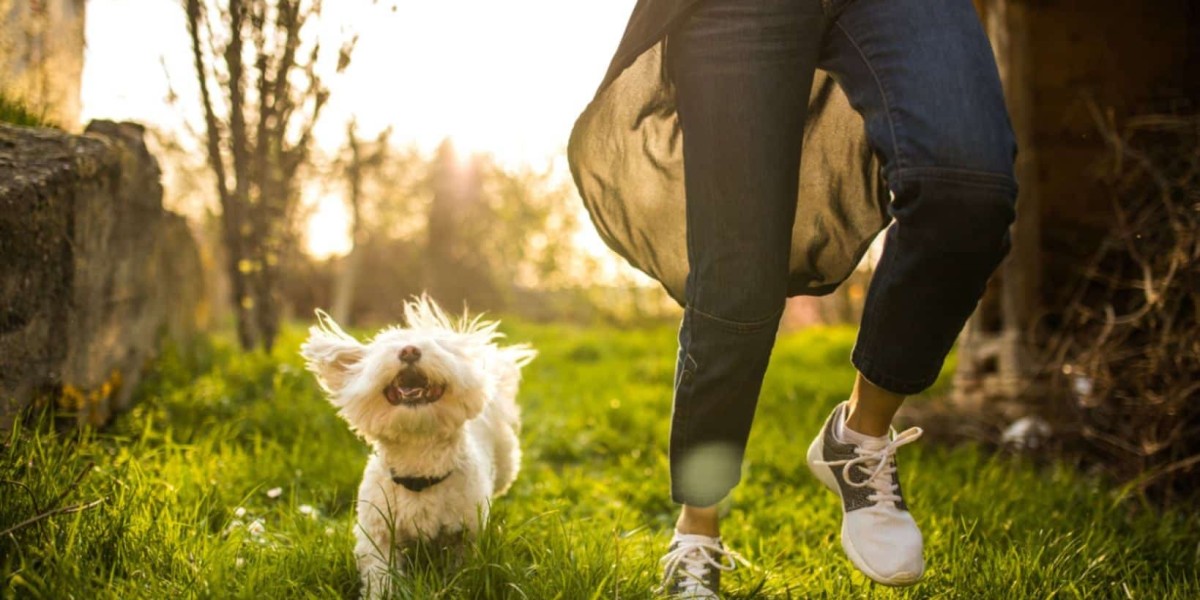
[1121, 341]
[50, 513]
[74, 483]
[32, 496]
[62, 495]
[1144, 481]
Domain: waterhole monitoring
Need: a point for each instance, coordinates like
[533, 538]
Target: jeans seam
[691, 283]
[690, 366]
[741, 326]
[977, 177]
[896, 385]
[870, 314]
[883, 93]
[680, 413]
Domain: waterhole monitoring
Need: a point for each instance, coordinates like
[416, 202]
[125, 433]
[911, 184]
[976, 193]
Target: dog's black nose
[410, 354]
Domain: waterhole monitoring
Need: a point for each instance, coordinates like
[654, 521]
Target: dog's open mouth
[412, 388]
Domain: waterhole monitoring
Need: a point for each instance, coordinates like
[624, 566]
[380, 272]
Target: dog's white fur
[470, 432]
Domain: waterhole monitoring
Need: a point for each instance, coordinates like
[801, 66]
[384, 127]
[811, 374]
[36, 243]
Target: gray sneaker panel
[711, 579]
[901, 504]
[853, 498]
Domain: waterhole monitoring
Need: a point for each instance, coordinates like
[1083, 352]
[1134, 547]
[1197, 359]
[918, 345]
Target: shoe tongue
[867, 442]
[695, 538]
[874, 444]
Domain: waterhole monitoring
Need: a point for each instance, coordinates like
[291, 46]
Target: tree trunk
[261, 57]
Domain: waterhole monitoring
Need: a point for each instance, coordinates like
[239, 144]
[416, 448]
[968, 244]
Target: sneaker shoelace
[877, 465]
[695, 558]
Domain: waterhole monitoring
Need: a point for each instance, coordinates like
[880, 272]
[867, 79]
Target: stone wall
[93, 271]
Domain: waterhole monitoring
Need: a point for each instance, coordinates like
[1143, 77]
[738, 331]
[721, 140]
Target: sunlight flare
[327, 232]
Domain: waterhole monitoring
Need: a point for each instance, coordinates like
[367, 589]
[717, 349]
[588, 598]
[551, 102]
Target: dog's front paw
[376, 575]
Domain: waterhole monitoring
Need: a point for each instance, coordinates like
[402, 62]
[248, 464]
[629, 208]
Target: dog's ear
[331, 353]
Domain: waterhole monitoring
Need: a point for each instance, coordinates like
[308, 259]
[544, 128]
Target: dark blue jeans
[922, 74]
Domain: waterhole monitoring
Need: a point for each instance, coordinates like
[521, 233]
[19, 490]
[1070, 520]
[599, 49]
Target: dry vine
[1123, 359]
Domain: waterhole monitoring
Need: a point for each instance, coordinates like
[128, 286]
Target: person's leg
[743, 72]
[922, 74]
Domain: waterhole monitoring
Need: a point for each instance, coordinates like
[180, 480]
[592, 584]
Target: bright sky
[508, 77]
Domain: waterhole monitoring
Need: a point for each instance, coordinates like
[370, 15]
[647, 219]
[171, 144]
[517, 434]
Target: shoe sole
[825, 476]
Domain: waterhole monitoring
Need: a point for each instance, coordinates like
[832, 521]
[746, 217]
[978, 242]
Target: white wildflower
[307, 509]
[275, 492]
[239, 512]
[256, 527]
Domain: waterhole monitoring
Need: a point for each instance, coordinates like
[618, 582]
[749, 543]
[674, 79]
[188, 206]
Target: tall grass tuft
[14, 112]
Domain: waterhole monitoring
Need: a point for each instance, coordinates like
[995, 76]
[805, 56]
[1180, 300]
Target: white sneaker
[692, 567]
[878, 533]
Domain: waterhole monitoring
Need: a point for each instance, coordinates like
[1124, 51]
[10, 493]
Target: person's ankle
[871, 408]
[698, 521]
[691, 529]
[856, 422]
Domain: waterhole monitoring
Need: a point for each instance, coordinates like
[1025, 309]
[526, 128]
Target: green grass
[588, 517]
[16, 113]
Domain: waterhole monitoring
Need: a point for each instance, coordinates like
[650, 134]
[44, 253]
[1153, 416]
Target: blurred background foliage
[473, 232]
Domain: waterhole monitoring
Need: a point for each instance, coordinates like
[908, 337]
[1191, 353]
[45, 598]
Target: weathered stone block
[93, 270]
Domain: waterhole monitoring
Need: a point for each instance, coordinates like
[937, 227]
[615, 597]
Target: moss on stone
[15, 112]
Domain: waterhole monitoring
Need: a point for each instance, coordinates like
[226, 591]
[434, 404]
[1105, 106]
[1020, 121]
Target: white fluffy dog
[436, 401]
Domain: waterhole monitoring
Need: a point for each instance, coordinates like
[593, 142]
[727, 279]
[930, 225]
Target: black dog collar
[417, 484]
